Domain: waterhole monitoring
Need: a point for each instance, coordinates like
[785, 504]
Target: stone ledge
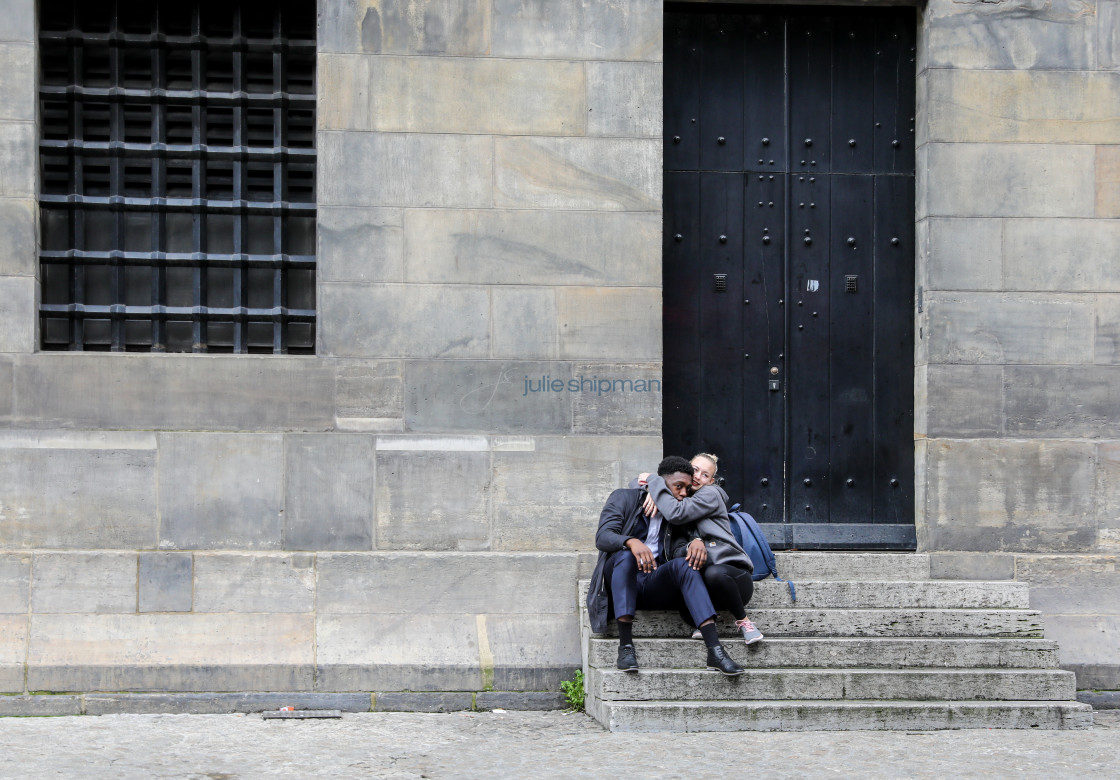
[519, 700]
[40, 706]
[1100, 700]
[409, 701]
[220, 703]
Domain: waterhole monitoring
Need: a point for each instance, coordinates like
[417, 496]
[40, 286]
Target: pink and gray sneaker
[750, 633]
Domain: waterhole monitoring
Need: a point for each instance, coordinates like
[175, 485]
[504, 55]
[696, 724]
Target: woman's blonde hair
[709, 456]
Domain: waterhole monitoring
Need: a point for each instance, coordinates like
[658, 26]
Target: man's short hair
[672, 465]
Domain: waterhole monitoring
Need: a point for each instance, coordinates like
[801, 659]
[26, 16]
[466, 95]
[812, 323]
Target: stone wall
[1018, 378]
[397, 512]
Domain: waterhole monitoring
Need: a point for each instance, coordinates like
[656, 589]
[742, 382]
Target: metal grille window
[177, 176]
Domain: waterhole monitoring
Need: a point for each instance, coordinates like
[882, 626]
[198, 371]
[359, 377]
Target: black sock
[711, 636]
[625, 633]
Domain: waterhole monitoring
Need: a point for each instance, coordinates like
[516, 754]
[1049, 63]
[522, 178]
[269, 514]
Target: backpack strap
[792, 589]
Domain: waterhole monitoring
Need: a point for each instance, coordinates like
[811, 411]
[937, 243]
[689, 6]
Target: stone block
[1073, 401]
[1072, 584]
[368, 389]
[17, 20]
[1010, 180]
[18, 239]
[13, 642]
[610, 324]
[5, 390]
[170, 392]
[15, 583]
[452, 583]
[1108, 330]
[187, 652]
[617, 398]
[411, 701]
[84, 495]
[328, 502]
[1086, 640]
[624, 99]
[1104, 678]
[1019, 106]
[230, 582]
[17, 82]
[1010, 496]
[573, 29]
[533, 247]
[18, 302]
[964, 401]
[401, 169]
[487, 396]
[40, 706]
[591, 174]
[220, 703]
[971, 566]
[1108, 496]
[1060, 255]
[433, 500]
[166, 582]
[524, 322]
[965, 254]
[360, 245]
[18, 159]
[221, 491]
[520, 700]
[532, 652]
[457, 27]
[84, 582]
[1108, 181]
[402, 652]
[1001, 328]
[550, 499]
[382, 321]
[1013, 35]
[485, 95]
[1108, 34]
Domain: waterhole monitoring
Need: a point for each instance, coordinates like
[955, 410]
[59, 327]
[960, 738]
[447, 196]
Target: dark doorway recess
[789, 264]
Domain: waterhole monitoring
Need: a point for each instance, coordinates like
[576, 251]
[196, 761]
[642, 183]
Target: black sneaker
[627, 659]
[720, 661]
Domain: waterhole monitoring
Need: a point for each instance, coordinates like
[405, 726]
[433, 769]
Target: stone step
[852, 566]
[838, 715]
[651, 684]
[855, 623]
[883, 594]
[841, 652]
[845, 567]
[933, 594]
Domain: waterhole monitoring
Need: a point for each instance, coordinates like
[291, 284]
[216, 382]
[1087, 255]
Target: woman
[727, 572]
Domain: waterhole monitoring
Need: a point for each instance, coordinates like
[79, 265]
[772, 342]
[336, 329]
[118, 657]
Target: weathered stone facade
[396, 513]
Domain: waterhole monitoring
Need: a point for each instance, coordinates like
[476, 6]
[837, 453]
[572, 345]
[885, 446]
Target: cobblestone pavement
[522, 744]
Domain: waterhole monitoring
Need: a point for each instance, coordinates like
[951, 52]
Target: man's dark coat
[621, 519]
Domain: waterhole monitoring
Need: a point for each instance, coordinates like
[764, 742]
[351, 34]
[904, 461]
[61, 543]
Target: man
[634, 571]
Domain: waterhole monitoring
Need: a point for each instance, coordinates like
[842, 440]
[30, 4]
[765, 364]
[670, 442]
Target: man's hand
[649, 507]
[643, 554]
[697, 554]
[643, 478]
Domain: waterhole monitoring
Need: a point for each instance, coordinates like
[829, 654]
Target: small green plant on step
[574, 691]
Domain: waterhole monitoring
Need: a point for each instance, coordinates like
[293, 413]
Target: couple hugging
[666, 542]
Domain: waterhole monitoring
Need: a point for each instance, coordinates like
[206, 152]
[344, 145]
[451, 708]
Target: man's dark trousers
[665, 587]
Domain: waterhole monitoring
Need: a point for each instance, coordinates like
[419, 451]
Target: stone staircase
[871, 643]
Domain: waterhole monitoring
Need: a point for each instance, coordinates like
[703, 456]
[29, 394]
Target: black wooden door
[789, 264]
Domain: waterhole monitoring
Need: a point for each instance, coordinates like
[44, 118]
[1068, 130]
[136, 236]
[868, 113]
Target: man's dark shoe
[720, 661]
[628, 659]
